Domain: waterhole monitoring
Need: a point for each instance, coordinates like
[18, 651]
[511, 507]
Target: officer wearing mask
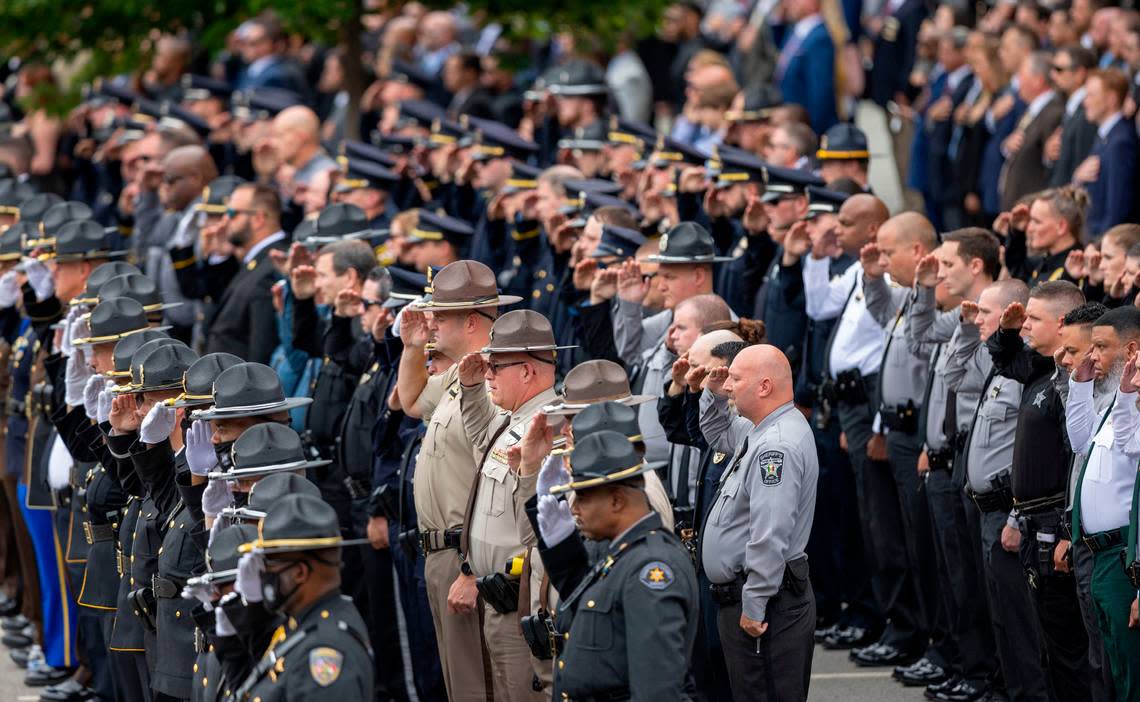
[752, 544]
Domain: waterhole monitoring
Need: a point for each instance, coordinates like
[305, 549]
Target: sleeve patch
[656, 575]
[771, 467]
[325, 665]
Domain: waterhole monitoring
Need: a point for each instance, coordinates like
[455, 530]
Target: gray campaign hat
[222, 555]
[198, 383]
[522, 331]
[126, 349]
[249, 390]
[83, 240]
[607, 416]
[591, 382]
[138, 287]
[688, 242]
[299, 523]
[99, 276]
[34, 208]
[158, 365]
[264, 449]
[603, 458]
[115, 319]
[267, 491]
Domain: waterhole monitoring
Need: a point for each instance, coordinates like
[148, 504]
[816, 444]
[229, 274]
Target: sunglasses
[368, 304]
[1061, 69]
[232, 212]
[496, 367]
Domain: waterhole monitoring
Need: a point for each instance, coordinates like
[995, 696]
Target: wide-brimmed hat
[592, 382]
[222, 556]
[607, 416]
[264, 449]
[126, 349]
[115, 319]
[216, 196]
[299, 523]
[13, 194]
[266, 492]
[602, 458]
[465, 285]
[138, 287]
[34, 208]
[157, 366]
[12, 243]
[249, 390]
[688, 242]
[522, 331]
[99, 276]
[54, 217]
[198, 382]
[83, 240]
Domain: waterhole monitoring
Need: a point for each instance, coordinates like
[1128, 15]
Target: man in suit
[943, 193]
[462, 73]
[1024, 149]
[1109, 173]
[245, 323]
[261, 40]
[894, 29]
[806, 69]
[1072, 143]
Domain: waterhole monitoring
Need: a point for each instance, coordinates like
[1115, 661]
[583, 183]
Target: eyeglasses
[496, 367]
[232, 212]
[370, 303]
[1061, 69]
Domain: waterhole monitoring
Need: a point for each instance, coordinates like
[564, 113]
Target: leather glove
[9, 289]
[248, 583]
[222, 624]
[95, 385]
[103, 413]
[202, 592]
[554, 520]
[158, 424]
[216, 497]
[200, 454]
[75, 377]
[553, 472]
[39, 277]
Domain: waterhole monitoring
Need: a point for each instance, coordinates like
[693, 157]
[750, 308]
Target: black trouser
[1014, 621]
[963, 589]
[1058, 610]
[777, 666]
[1100, 678]
[881, 521]
[710, 675]
[131, 676]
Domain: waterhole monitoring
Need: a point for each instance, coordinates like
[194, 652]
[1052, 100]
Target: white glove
[200, 454]
[222, 625]
[9, 289]
[554, 520]
[202, 592]
[553, 472]
[91, 391]
[248, 582]
[103, 413]
[216, 497]
[75, 378]
[158, 424]
[39, 277]
[78, 328]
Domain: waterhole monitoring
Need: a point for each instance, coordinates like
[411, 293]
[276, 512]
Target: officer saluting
[752, 544]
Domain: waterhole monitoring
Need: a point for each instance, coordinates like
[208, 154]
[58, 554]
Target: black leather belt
[619, 695]
[999, 500]
[161, 587]
[432, 541]
[1039, 505]
[95, 533]
[1103, 540]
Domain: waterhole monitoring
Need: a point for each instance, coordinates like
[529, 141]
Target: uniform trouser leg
[1102, 688]
[881, 519]
[9, 555]
[57, 606]
[709, 672]
[461, 650]
[510, 657]
[902, 453]
[384, 631]
[1016, 630]
[29, 581]
[1113, 595]
[964, 591]
[777, 666]
[423, 652]
[132, 678]
[91, 626]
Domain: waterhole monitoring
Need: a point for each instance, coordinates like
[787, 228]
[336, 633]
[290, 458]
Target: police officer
[752, 544]
[321, 652]
[628, 617]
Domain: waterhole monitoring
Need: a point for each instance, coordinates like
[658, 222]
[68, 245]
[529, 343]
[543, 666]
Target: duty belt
[357, 488]
[432, 541]
[1103, 540]
[161, 587]
[94, 533]
[999, 500]
[1039, 505]
[732, 593]
[618, 695]
[941, 459]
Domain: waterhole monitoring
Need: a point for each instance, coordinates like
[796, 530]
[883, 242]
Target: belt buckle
[90, 537]
[199, 640]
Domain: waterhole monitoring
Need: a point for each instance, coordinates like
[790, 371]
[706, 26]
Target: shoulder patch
[771, 467]
[325, 665]
[656, 575]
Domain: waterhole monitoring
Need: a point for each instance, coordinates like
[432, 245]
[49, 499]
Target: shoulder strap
[471, 497]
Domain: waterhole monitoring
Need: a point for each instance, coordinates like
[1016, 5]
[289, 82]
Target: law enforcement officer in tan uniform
[519, 371]
[463, 306]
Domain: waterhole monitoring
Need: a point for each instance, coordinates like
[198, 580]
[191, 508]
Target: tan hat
[465, 285]
[522, 331]
[592, 382]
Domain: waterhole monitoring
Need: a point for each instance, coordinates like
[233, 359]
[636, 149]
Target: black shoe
[847, 637]
[70, 690]
[14, 622]
[822, 632]
[881, 655]
[45, 675]
[8, 606]
[948, 684]
[921, 673]
[15, 639]
[964, 691]
[20, 656]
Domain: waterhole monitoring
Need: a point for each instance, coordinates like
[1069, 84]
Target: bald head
[860, 217]
[700, 353]
[865, 207]
[903, 240]
[187, 170]
[911, 228]
[296, 135]
[759, 381]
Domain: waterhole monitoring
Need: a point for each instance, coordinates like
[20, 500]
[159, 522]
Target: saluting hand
[1013, 317]
[472, 367]
[969, 312]
[631, 286]
[680, 370]
[1084, 371]
[715, 381]
[755, 219]
[123, 418]
[871, 258]
[695, 378]
[1128, 378]
[414, 330]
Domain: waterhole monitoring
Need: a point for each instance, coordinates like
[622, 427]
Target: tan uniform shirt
[445, 467]
[499, 525]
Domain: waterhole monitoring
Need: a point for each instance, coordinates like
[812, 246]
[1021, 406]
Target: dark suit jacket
[1113, 193]
[943, 181]
[1077, 137]
[1025, 171]
[809, 78]
[282, 73]
[894, 53]
[478, 103]
[245, 323]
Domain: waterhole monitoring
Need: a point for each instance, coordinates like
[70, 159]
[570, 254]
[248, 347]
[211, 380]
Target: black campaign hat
[264, 449]
[784, 182]
[83, 240]
[359, 173]
[823, 201]
[298, 523]
[437, 227]
[591, 137]
[338, 222]
[222, 555]
[11, 244]
[688, 242]
[158, 365]
[843, 142]
[99, 276]
[576, 78]
[198, 383]
[249, 390]
[126, 349]
[620, 242]
[602, 458]
[114, 319]
[216, 196]
[34, 208]
[137, 287]
[267, 491]
[607, 416]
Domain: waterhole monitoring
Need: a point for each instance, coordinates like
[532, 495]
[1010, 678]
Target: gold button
[550, 287]
[211, 648]
[160, 550]
[324, 614]
[536, 294]
[561, 665]
[565, 696]
[541, 274]
[171, 522]
[566, 636]
[177, 613]
[204, 682]
[195, 667]
[590, 603]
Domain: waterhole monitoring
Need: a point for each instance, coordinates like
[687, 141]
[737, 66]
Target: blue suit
[808, 77]
[1113, 192]
[992, 159]
[280, 73]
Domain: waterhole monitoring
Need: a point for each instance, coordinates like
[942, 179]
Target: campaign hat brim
[568, 409]
[599, 481]
[289, 403]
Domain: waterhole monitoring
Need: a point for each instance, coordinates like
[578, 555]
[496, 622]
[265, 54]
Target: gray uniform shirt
[906, 361]
[926, 324]
[763, 511]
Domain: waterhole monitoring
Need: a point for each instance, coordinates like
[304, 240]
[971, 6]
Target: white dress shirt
[859, 340]
[1108, 477]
